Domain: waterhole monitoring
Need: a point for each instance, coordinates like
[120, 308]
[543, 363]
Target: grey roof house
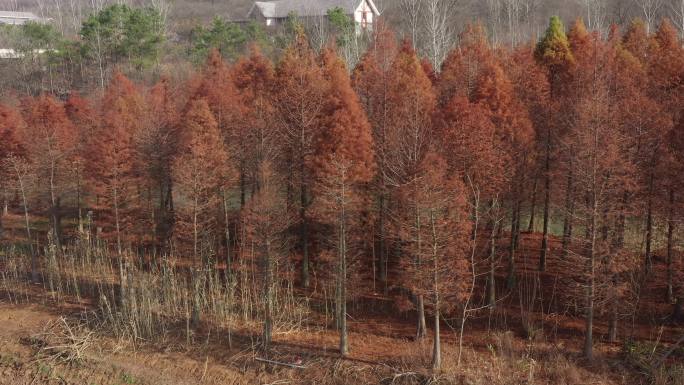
[273, 13]
[18, 18]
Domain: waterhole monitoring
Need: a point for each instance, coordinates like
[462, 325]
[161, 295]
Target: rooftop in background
[279, 9]
[18, 18]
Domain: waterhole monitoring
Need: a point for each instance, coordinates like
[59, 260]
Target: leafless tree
[650, 10]
[411, 9]
[439, 28]
[23, 173]
[676, 13]
[595, 14]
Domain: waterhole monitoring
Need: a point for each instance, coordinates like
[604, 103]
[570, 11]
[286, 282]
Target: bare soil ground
[496, 347]
[380, 354]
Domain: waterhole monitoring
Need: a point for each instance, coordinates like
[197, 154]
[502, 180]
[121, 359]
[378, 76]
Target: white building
[275, 12]
[18, 18]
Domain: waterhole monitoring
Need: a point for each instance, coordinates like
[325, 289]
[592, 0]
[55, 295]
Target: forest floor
[496, 358]
[41, 343]
[382, 352]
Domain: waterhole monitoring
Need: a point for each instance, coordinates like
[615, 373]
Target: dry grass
[169, 322]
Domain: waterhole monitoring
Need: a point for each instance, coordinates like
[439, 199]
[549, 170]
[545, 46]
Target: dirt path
[19, 364]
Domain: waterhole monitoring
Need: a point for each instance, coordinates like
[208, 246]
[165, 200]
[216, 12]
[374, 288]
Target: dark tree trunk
[382, 246]
[612, 326]
[649, 223]
[243, 184]
[620, 225]
[670, 241]
[268, 299]
[678, 313]
[533, 206]
[569, 212]
[512, 247]
[226, 229]
[420, 328]
[589, 326]
[547, 202]
[436, 348]
[491, 281]
[304, 231]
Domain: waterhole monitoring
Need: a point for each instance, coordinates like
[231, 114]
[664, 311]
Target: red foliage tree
[371, 79]
[265, 220]
[299, 102]
[50, 139]
[343, 164]
[156, 144]
[201, 168]
[217, 87]
[254, 77]
[10, 126]
[111, 158]
[436, 238]
[84, 117]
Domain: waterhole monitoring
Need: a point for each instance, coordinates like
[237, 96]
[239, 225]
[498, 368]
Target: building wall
[364, 14]
[13, 20]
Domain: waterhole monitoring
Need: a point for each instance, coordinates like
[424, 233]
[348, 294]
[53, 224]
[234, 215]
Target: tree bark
[649, 223]
[491, 282]
[420, 307]
[226, 230]
[533, 206]
[678, 313]
[436, 348]
[569, 213]
[344, 347]
[34, 257]
[268, 291]
[513, 245]
[588, 340]
[304, 231]
[382, 247]
[547, 201]
[243, 185]
[670, 254]
[612, 326]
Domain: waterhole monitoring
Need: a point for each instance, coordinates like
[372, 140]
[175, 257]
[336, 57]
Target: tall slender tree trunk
[569, 213]
[78, 201]
[436, 348]
[612, 325]
[589, 322]
[226, 230]
[268, 291]
[243, 184]
[382, 246]
[54, 209]
[678, 313]
[513, 242]
[649, 223]
[27, 223]
[670, 241]
[342, 298]
[547, 201]
[122, 276]
[116, 220]
[5, 202]
[195, 228]
[422, 329]
[304, 231]
[420, 307]
[491, 281]
[620, 226]
[533, 206]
